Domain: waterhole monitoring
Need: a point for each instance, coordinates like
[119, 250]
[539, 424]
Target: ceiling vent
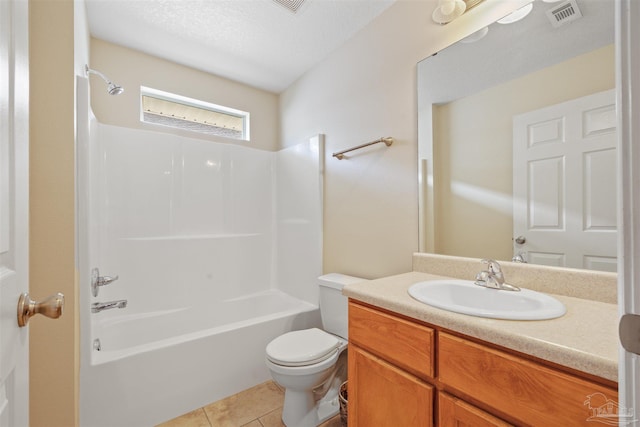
[290, 5]
[565, 12]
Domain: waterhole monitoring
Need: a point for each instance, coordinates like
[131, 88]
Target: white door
[564, 184]
[14, 163]
[628, 66]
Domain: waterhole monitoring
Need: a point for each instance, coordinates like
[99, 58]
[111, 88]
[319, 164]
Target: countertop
[585, 338]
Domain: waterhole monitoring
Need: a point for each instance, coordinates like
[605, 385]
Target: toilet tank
[333, 305]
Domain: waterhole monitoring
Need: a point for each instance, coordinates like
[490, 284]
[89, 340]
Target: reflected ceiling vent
[290, 5]
[563, 13]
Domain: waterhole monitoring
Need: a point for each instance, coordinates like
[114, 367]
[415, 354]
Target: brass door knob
[51, 307]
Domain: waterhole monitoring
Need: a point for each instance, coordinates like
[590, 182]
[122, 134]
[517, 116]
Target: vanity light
[516, 15]
[474, 37]
[448, 10]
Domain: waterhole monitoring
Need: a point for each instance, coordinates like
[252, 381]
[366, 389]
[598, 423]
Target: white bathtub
[155, 366]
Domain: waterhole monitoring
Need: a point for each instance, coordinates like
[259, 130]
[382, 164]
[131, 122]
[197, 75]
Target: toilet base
[313, 407]
[302, 410]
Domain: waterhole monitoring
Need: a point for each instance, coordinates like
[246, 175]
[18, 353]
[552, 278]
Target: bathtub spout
[97, 307]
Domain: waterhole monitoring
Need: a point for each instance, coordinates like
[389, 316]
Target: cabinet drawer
[453, 412]
[406, 344]
[534, 394]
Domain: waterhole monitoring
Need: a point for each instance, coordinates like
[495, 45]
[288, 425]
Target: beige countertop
[585, 338]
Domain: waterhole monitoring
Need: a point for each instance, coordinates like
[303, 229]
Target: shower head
[112, 88]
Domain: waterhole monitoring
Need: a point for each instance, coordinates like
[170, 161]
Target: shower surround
[217, 248]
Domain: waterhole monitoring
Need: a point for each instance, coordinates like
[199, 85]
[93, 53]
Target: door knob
[521, 240]
[629, 331]
[51, 307]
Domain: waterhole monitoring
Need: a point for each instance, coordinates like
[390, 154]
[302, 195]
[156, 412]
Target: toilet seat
[302, 348]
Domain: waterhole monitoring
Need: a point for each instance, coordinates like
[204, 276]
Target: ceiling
[257, 42]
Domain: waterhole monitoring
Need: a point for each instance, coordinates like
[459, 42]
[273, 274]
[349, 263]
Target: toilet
[312, 363]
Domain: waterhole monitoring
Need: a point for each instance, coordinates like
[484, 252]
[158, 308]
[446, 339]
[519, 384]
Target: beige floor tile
[246, 406]
[272, 419]
[195, 418]
[254, 423]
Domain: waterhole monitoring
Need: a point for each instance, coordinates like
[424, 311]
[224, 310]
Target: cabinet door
[382, 395]
[453, 412]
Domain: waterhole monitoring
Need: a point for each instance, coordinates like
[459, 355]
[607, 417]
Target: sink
[463, 296]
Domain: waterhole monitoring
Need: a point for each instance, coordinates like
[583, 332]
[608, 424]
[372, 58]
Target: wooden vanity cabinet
[389, 360]
[405, 373]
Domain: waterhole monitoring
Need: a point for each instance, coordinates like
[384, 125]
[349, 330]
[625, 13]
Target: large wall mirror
[517, 140]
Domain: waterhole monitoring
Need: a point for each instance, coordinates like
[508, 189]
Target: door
[564, 184]
[14, 163]
[628, 97]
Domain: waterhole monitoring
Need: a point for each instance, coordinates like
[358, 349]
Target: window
[180, 112]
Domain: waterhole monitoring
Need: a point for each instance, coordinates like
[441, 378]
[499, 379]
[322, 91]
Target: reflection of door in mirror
[473, 152]
[564, 184]
[468, 95]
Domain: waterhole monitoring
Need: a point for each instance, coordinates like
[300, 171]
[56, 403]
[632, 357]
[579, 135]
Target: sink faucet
[97, 307]
[493, 277]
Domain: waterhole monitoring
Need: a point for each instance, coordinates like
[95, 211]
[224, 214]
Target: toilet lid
[301, 348]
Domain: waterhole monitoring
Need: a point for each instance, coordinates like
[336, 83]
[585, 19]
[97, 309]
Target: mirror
[485, 106]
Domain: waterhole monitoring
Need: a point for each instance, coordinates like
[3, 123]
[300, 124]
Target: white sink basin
[463, 296]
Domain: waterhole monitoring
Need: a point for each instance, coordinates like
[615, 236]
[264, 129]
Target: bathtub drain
[96, 344]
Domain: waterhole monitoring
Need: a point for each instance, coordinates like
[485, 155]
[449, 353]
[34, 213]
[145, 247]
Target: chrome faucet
[97, 307]
[493, 277]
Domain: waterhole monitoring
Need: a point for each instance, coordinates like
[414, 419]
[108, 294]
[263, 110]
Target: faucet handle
[482, 276]
[493, 266]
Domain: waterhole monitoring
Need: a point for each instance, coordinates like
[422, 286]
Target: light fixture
[474, 37]
[516, 15]
[448, 10]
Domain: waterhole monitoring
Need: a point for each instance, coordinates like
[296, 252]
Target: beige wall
[132, 69]
[479, 154]
[363, 91]
[53, 353]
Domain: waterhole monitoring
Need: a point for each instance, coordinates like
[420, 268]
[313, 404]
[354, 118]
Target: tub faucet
[97, 307]
[493, 277]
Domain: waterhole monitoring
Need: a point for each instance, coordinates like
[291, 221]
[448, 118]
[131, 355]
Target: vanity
[411, 364]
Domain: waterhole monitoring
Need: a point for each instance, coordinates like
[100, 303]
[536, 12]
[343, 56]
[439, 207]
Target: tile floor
[260, 406]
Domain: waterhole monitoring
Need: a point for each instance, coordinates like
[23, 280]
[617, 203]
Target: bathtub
[152, 367]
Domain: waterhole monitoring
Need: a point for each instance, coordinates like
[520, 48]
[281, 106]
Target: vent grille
[564, 13]
[290, 5]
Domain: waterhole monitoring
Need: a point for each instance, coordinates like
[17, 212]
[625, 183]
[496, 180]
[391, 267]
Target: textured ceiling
[256, 42]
